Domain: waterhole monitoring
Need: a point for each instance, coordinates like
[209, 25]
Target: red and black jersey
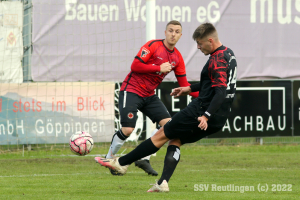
[217, 82]
[145, 75]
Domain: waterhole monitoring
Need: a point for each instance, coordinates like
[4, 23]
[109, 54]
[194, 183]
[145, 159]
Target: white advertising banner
[39, 113]
[91, 40]
[11, 42]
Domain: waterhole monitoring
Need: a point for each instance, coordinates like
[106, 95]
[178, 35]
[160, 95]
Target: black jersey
[217, 84]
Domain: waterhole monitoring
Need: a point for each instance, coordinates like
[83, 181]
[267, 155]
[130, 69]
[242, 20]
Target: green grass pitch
[228, 172]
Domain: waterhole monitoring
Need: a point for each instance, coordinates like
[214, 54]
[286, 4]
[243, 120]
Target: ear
[211, 40]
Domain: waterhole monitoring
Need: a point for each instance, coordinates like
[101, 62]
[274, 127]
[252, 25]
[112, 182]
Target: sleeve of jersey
[139, 63]
[195, 87]
[139, 67]
[218, 74]
[220, 95]
[180, 74]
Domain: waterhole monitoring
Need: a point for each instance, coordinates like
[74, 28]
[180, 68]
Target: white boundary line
[236, 169]
[37, 175]
[75, 174]
[133, 172]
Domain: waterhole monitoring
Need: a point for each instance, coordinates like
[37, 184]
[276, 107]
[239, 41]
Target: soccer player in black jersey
[205, 115]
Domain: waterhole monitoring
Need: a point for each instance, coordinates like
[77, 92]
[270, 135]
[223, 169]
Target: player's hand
[203, 122]
[181, 91]
[165, 67]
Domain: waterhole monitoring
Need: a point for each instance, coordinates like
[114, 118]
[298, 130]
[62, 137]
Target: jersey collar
[219, 48]
[171, 51]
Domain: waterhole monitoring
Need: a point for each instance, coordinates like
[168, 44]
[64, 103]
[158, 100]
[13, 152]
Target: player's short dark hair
[204, 30]
[174, 22]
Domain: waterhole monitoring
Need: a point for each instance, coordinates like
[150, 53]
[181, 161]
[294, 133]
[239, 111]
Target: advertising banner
[260, 108]
[39, 113]
[296, 107]
[87, 40]
[11, 42]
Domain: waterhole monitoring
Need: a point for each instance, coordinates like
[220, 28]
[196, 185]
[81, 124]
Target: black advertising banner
[296, 107]
[173, 105]
[260, 109]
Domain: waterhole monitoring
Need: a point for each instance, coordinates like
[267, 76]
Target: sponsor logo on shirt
[173, 64]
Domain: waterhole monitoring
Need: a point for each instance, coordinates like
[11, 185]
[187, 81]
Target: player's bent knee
[159, 139]
[164, 121]
[161, 134]
[127, 130]
[175, 142]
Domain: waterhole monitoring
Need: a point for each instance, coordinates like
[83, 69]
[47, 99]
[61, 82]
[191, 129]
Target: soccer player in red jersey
[152, 63]
[205, 115]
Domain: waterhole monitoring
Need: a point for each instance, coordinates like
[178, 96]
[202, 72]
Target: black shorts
[130, 103]
[184, 125]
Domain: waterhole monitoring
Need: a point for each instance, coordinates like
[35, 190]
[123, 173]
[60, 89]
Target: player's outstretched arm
[181, 91]
[182, 81]
[140, 67]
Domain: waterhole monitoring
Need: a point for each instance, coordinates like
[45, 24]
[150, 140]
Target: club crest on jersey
[144, 52]
[130, 115]
[173, 64]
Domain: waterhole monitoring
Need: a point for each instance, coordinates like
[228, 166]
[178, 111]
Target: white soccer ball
[81, 143]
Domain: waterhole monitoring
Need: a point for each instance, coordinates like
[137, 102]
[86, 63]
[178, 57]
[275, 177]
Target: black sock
[146, 148]
[121, 135]
[171, 160]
